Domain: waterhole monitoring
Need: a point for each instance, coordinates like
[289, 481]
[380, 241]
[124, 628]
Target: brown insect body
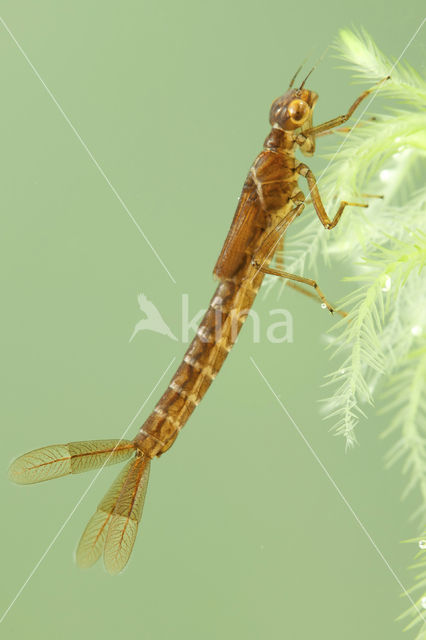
[269, 202]
[265, 201]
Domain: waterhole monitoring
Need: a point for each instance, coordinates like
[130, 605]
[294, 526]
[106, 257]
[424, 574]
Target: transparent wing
[126, 516]
[92, 541]
[62, 459]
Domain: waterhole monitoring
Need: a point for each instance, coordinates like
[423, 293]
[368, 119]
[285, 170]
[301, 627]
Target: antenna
[294, 77]
[320, 59]
[303, 83]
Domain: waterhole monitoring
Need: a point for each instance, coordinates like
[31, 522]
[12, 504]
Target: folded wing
[126, 516]
[92, 541]
[113, 527]
[59, 460]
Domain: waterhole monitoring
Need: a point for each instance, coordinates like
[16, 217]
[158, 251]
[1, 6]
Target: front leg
[345, 129]
[304, 171]
[335, 122]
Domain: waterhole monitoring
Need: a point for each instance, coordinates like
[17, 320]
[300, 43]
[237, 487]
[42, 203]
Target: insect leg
[304, 171]
[279, 254]
[308, 281]
[335, 122]
[344, 129]
[269, 246]
[279, 262]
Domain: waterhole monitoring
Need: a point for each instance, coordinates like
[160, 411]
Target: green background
[243, 535]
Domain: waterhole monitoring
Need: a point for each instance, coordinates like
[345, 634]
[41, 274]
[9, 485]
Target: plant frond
[363, 56]
[380, 349]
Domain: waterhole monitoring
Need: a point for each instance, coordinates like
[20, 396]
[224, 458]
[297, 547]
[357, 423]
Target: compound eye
[298, 111]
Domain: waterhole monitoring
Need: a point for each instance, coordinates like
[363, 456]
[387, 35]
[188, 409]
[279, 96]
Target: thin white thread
[253, 362]
[62, 527]
[89, 153]
[373, 97]
[331, 479]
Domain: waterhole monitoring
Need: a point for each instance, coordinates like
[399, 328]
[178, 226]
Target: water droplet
[401, 153]
[323, 306]
[342, 371]
[423, 602]
[417, 331]
[422, 544]
[385, 175]
[388, 284]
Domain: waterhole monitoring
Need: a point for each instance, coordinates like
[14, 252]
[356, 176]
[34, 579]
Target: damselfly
[270, 201]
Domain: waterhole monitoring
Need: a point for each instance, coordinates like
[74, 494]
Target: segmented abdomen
[265, 201]
[215, 337]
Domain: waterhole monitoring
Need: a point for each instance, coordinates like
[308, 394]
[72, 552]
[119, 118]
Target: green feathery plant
[382, 348]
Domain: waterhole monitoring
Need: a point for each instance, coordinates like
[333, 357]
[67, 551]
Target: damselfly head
[293, 109]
